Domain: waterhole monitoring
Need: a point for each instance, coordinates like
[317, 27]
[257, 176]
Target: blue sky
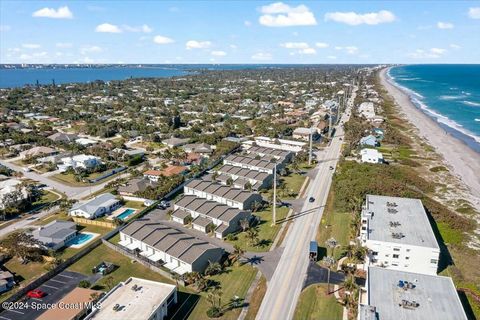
[239, 32]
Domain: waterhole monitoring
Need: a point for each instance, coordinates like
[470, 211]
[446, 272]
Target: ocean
[12, 78]
[449, 94]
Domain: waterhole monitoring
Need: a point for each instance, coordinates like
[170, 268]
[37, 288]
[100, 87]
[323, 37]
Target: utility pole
[274, 220]
[310, 148]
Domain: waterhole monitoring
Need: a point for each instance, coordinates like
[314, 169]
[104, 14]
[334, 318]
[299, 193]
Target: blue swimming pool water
[80, 238]
[126, 213]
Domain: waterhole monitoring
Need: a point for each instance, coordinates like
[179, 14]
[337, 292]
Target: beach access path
[463, 161]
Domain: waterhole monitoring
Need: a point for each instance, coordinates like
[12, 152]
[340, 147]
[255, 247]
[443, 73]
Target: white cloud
[63, 45]
[162, 40]
[355, 19]
[31, 45]
[279, 14]
[88, 60]
[295, 45]
[108, 28]
[24, 56]
[444, 25]
[308, 51]
[332, 57]
[321, 45]
[218, 53]
[194, 44]
[432, 53]
[90, 49]
[263, 56]
[474, 13]
[247, 23]
[455, 46]
[60, 13]
[5, 28]
[143, 28]
[233, 46]
[348, 49]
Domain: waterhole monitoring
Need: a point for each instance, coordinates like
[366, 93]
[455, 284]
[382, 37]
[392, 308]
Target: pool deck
[121, 210]
[78, 246]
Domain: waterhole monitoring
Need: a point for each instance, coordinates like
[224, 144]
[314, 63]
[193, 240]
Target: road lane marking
[58, 281]
[64, 275]
[16, 311]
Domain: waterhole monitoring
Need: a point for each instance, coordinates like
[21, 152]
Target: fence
[143, 261]
[103, 224]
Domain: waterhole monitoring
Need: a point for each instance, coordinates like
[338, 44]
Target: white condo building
[398, 234]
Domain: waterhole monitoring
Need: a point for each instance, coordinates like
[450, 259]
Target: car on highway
[36, 294]
[311, 199]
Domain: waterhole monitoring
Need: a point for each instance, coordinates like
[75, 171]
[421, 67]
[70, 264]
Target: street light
[329, 261]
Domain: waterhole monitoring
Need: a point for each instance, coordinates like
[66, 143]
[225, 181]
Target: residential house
[175, 142]
[281, 156]
[154, 175]
[370, 141]
[133, 186]
[63, 137]
[398, 234]
[205, 214]
[55, 234]
[199, 148]
[251, 163]
[79, 161]
[174, 249]
[236, 198]
[37, 152]
[7, 187]
[95, 207]
[244, 178]
[371, 156]
[305, 134]
[280, 144]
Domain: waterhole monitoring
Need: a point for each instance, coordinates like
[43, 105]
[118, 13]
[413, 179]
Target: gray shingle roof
[91, 206]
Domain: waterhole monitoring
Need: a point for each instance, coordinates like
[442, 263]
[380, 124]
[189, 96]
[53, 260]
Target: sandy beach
[463, 161]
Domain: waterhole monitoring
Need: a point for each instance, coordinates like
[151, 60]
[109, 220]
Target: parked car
[331, 168]
[36, 294]
[311, 199]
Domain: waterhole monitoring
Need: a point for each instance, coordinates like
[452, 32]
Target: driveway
[55, 288]
[318, 274]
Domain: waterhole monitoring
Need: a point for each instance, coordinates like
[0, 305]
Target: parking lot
[55, 288]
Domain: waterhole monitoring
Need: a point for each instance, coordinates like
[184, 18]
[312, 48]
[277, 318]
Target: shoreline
[459, 157]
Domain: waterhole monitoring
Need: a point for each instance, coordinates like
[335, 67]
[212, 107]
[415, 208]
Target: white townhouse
[79, 161]
[398, 235]
[371, 156]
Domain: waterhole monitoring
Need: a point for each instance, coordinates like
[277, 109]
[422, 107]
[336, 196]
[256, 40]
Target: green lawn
[234, 282]
[334, 224]
[69, 179]
[314, 303]
[126, 268]
[450, 235]
[266, 232]
[293, 184]
[134, 205]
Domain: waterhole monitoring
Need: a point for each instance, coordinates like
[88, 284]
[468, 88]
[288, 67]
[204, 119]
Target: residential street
[284, 288]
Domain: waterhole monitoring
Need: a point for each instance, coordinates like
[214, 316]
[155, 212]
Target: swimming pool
[124, 215]
[80, 239]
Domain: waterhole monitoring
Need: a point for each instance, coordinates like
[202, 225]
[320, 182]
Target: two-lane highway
[286, 284]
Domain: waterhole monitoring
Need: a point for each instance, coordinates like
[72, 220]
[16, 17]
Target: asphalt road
[56, 288]
[286, 284]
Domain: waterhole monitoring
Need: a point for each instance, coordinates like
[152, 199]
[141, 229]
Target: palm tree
[237, 254]
[349, 284]
[252, 236]
[214, 298]
[213, 268]
[244, 224]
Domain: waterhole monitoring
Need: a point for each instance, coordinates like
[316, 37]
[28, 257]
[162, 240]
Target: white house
[367, 110]
[171, 247]
[79, 161]
[398, 234]
[96, 207]
[371, 156]
[305, 133]
[280, 144]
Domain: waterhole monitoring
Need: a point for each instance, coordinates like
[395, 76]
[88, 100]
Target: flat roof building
[400, 295]
[72, 306]
[399, 235]
[280, 144]
[136, 299]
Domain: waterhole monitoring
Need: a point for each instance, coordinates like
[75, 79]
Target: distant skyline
[286, 32]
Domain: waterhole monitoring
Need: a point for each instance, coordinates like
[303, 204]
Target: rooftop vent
[406, 285]
[398, 235]
[391, 204]
[394, 224]
[390, 210]
[409, 304]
